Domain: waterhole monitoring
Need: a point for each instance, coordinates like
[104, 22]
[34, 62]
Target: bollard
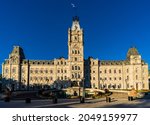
[129, 98]
[106, 99]
[109, 99]
[27, 100]
[82, 99]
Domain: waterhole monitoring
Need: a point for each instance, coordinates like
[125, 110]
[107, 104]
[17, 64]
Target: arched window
[76, 68]
[73, 76]
[78, 52]
[79, 76]
[136, 77]
[72, 51]
[75, 59]
[76, 75]
[72, 67]
[75, 51]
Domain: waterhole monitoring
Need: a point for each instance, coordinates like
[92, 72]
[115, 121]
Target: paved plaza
[75, 103]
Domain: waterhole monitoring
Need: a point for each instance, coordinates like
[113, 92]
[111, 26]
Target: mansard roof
[38, 62]
[114, 62]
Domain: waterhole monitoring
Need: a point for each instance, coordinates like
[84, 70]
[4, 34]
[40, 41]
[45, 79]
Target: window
[110, 78]
[127, 70]
[93, 78]
[73, 76]
[105, 71]
[114, 71]
[78, 67]
[65, 71]
[136, 77]
[119, 71]
[72, 51]
[36, 71]
[93, 71]
[72, 67]
[61, 71]
[58, 71]
[110, 71]
[119, 78]
[75, 58]
[127, 77]
[61, 62]
[114, 78]
[65, 77]
[46, 71]
[78, 52]
[75, 67]
[51, 71]
[41, 71]
[75, 51]
[79, 76]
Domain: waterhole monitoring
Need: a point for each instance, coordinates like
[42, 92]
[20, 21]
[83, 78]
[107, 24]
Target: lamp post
[82, 99]
[103, 83]
[126, 83]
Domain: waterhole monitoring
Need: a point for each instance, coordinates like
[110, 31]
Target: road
[74, 103]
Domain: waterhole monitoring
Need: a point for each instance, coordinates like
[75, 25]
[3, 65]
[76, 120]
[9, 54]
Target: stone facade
[123, 74]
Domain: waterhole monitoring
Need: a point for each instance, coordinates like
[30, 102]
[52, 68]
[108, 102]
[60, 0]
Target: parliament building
[61, 72]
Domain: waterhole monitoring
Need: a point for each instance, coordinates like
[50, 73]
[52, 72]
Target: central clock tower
[76, 51]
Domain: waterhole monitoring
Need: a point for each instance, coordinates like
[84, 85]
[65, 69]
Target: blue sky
[40, 27]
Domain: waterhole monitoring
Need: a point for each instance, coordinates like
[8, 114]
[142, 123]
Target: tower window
[76, 68]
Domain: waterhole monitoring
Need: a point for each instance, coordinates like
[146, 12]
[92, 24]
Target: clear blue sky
[40, 27]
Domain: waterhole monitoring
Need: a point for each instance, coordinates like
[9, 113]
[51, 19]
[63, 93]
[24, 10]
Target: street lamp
[82, 99]
[103, 83]
[126, 83]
